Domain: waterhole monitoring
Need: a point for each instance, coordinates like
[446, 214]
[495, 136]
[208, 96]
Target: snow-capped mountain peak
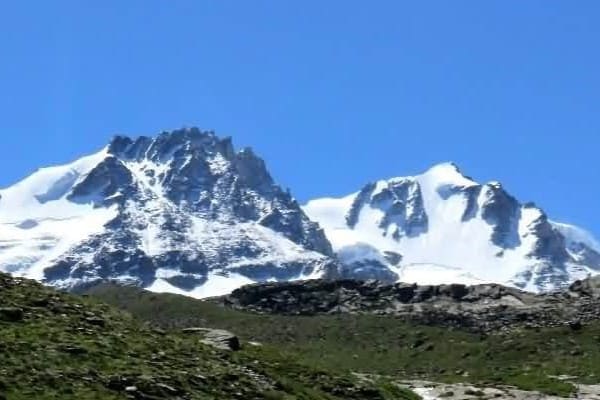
[444, 224]
[186, 212]
[181, 212]
[445, 174]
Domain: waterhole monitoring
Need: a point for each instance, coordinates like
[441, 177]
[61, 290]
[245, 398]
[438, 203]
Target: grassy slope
[389, 346]
[69, 347]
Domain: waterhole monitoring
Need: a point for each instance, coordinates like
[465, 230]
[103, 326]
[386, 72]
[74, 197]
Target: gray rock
[97, 321]
[481, 308]
[218, 338]
[75, 350]
[11, 314]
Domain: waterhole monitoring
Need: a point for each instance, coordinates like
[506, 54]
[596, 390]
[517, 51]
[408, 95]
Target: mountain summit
[442, 227]
[183, 212]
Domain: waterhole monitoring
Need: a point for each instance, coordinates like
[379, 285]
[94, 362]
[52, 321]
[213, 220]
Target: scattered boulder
[405, 292]
[11, 314]
[76, 350]
[40, 302]
[575, 325]
[218, 338]
[588, 287]
[96, 321]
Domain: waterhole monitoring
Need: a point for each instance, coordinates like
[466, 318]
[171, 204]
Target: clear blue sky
[332, 94]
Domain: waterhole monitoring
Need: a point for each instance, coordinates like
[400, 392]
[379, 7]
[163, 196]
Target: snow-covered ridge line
[185, 210]
[575, 234]
[409, 228]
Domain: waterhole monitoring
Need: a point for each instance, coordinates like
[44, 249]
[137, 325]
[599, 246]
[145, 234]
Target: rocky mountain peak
[162, 147]
[181, 212]
[189, 166]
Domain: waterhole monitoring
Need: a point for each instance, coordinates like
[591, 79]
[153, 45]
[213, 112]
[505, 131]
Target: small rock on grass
[11, 314]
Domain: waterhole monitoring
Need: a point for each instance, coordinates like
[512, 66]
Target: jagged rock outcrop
[486, 307]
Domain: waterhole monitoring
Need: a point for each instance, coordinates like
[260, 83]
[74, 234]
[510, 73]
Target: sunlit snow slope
[38, 223]
[182, 212]
[442, 227]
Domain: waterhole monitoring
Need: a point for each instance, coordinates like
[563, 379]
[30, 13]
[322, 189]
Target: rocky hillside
[59, 346]
[539, 356]
[486, 307]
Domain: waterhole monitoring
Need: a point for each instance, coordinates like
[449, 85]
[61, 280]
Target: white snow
[445, 174]
[358, 252]
[432, 274]
[464, 246]
[216, 285]
[426, 393]
[575, 234]
[330, 212]
[274, 247]
[38, 223]
[43, 194]
[150, 217]
[211, 238]
[219, 283]
[218, 164]
[452, 250]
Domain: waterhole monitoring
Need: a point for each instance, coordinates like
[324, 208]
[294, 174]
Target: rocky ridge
[85, 349]
[485, 308]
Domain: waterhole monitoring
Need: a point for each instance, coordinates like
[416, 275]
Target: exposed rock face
[175, 212]
[402, 205]
[485, 308]
[503, 212]
[202, 173]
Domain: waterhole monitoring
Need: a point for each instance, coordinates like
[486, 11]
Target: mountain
[182, 212]
[442, 226]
